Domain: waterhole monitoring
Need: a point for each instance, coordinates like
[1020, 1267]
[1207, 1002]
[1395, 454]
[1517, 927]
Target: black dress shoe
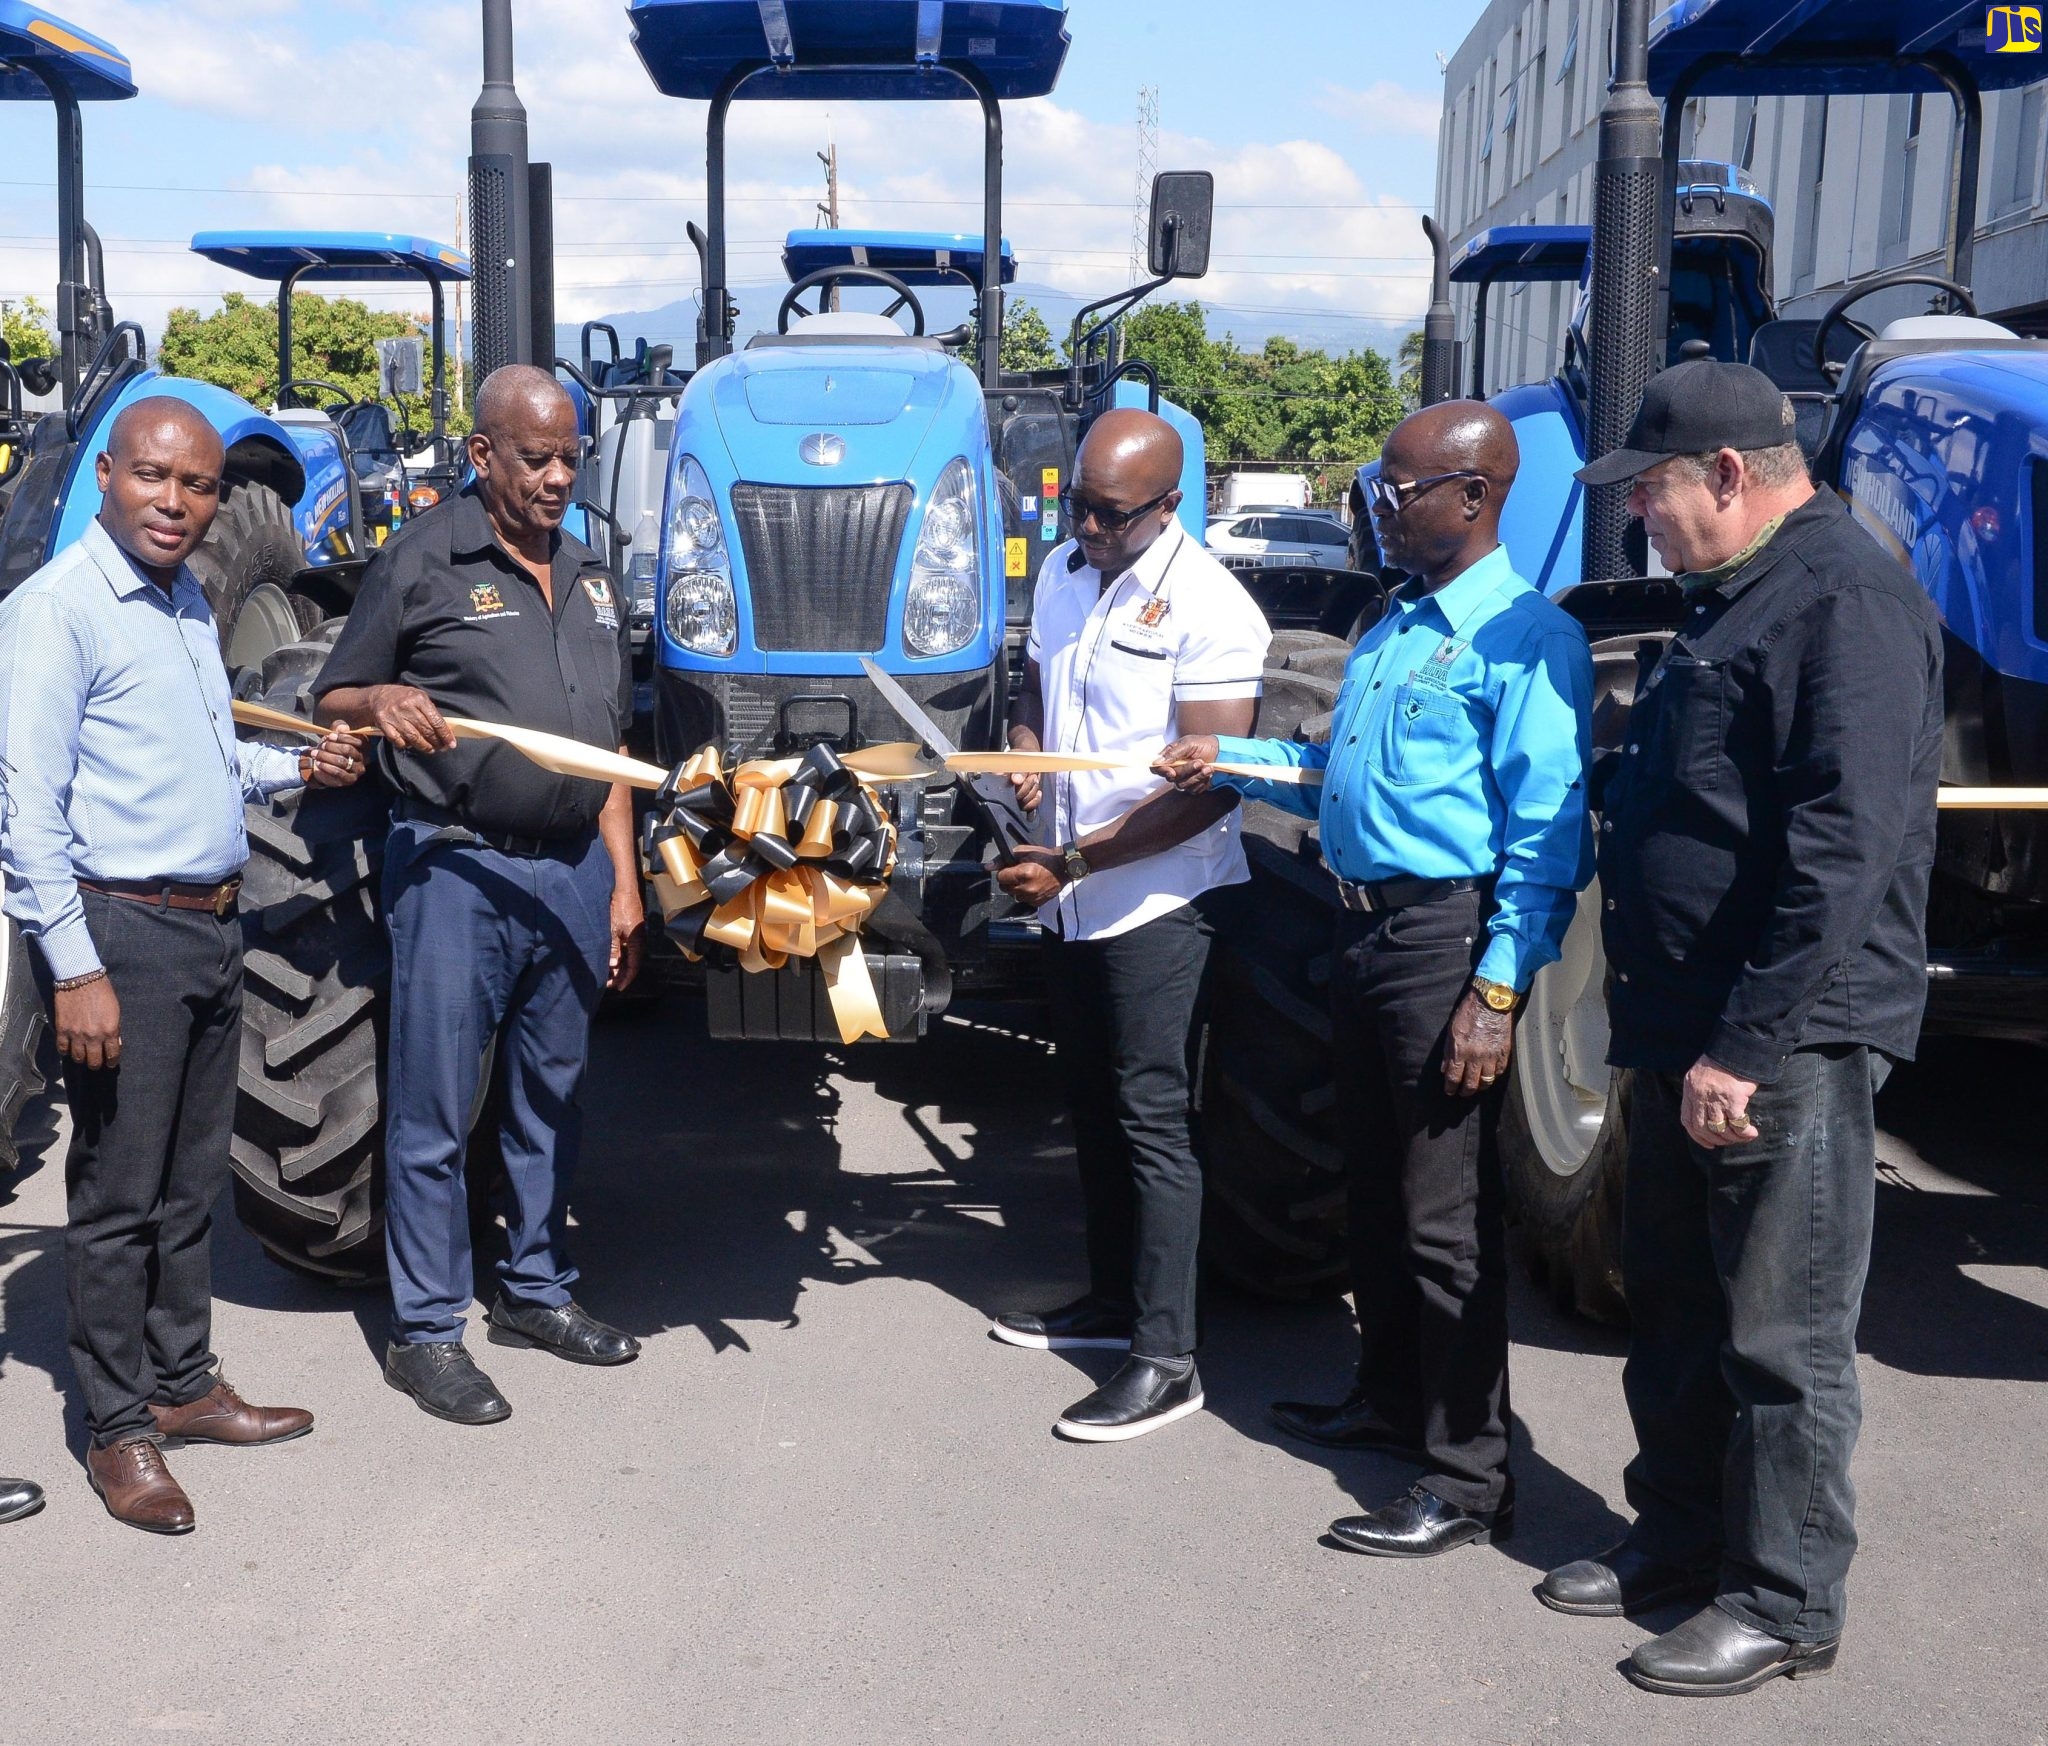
[1421, 1524]
[1353, 1423]
[1088, 1323]
[567, 1330]
[18, 1498]
[1714, 1654]
[1143, 1395]
[1621, 1580]
[444, 1379]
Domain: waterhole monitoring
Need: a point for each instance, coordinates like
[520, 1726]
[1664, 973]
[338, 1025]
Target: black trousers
[1744, 1269]
[149, 1157]
[1123, 1019]
[1426, 1204]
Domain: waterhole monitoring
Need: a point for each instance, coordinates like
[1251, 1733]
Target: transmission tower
[1148, 167]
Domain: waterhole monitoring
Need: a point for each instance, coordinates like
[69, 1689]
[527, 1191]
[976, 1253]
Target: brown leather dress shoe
[223, 1416]
[137, 1487]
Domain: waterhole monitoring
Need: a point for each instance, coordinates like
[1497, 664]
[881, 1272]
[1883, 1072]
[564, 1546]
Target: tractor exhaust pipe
[1626, 348]
[499, 175]
[1440, 325]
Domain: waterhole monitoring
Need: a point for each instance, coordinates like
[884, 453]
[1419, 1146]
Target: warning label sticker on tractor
[1016, 557]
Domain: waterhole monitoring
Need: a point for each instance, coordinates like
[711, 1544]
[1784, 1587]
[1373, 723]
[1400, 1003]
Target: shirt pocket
[1689, 731]
[1427, 735]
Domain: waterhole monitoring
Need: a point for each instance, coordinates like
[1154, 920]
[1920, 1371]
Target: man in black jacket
[1767, 837]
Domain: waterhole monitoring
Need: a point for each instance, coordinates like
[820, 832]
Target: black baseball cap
[1692, 409]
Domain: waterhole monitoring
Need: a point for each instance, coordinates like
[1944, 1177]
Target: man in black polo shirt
[512, 894]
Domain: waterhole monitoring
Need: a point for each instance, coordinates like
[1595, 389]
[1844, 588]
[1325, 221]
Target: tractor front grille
[820, 562]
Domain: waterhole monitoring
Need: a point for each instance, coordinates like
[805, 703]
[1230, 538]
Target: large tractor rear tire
[248, 565]
[21, 1030]
[1273, 1220]
[309, 1138]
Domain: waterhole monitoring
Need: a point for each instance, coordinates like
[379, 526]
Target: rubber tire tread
[1569, 1227]
[1273, 1220]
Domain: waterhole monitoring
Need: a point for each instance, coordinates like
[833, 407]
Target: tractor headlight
[942, 611]
[700, 611]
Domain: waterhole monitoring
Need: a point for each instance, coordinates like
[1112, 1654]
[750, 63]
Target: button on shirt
[1458, 750]
[444, 607]
[118, 756]
[1114, 666]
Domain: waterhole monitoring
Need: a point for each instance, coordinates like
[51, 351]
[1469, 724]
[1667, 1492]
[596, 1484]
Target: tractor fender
[257, 446]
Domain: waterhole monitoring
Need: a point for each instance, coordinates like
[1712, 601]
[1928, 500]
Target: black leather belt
[454, 828]
[1374, 896]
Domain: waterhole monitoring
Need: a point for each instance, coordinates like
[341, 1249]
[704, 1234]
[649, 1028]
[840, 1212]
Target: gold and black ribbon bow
[774, 860]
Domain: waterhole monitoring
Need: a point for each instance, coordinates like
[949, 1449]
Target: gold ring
[1488, 1078]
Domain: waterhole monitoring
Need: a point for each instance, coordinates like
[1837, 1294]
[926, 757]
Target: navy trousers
[485, 944]
[1744, 1269]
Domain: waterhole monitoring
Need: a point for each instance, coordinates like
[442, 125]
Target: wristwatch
[1075, 862]
[1499, 996]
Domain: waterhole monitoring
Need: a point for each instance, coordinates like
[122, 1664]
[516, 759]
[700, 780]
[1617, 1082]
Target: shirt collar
[470, 532]
[1790, 530]
[1470, 589]
[122, 572]
[1150, 569]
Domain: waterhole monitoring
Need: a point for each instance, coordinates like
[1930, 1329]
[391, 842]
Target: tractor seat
[844, 324]
[1945, 327]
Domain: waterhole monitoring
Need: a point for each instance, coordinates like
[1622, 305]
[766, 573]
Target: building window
[1813, 151]
[1904, 171]
[1570, 57]
[1745, 155]
[2021, 158]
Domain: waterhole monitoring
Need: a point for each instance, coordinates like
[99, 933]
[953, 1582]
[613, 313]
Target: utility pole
[828, 208]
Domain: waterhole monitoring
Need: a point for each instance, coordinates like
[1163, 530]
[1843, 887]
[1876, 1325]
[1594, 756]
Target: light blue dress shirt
[1458, 749]
[118, 756]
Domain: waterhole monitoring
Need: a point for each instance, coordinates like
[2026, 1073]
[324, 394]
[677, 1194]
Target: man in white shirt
[1138, 636]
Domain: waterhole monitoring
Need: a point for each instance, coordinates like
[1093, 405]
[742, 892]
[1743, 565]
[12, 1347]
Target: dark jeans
[1123, 1016]
[1744, 1270]
[149, 1156]
[1427, 1216]
[486, 944]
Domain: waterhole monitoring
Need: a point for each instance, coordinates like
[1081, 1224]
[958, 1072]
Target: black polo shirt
[443, 606]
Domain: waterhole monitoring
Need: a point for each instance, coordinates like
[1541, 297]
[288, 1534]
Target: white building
[1859, 185]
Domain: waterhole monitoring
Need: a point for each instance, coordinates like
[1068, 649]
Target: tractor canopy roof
[1524, 252]
[917, 257]
[857, 50]
[32, 41]
[1795, 47]
[358, 256]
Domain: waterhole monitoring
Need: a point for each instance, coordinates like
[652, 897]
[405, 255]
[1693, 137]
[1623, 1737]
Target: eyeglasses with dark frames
[1078, 509]
[1395, 496]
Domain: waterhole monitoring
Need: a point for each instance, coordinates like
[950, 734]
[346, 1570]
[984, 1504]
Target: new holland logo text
[2012, 30]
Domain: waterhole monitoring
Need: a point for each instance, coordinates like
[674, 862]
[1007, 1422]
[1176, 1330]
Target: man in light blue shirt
[1452, 807]
[122, 848]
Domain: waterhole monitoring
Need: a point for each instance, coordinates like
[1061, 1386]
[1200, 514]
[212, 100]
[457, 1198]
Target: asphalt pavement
[825, 1507]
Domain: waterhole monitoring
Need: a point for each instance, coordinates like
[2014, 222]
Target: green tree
[25, 326]
[1411, 369]
[333, 340]
[1027, 340]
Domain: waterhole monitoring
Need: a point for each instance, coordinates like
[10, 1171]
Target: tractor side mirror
[1183, 205]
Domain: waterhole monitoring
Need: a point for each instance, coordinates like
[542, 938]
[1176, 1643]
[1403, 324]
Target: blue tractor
[1932, 424]
[856, 485]
[359, 482]
[252, 555]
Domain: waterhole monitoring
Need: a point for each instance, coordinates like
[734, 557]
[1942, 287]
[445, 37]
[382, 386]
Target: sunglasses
[1078, 509]
[1395, 497]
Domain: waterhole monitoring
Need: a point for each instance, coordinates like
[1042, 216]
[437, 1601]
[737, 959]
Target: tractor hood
[869, 407]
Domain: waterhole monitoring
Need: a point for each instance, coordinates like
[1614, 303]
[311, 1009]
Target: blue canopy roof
[917, 257]
[359, 256]
[91, 68]
[1524, 252]
[850, 50]
[1790, 47]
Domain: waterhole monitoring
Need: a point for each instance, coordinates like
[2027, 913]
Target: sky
[1317, 117]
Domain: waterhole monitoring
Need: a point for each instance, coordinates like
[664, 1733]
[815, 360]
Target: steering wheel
[1958, 294]
[292, 388]
[836, 275]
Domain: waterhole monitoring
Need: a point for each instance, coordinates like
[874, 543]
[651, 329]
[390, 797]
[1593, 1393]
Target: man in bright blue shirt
[1452, 808]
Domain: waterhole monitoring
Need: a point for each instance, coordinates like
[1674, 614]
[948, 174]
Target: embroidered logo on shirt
[484, 598]
[599, 588]
[1435, 673]
[1153, 612]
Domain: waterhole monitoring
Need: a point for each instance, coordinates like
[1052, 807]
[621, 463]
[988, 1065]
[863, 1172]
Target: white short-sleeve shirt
[1114, 665]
